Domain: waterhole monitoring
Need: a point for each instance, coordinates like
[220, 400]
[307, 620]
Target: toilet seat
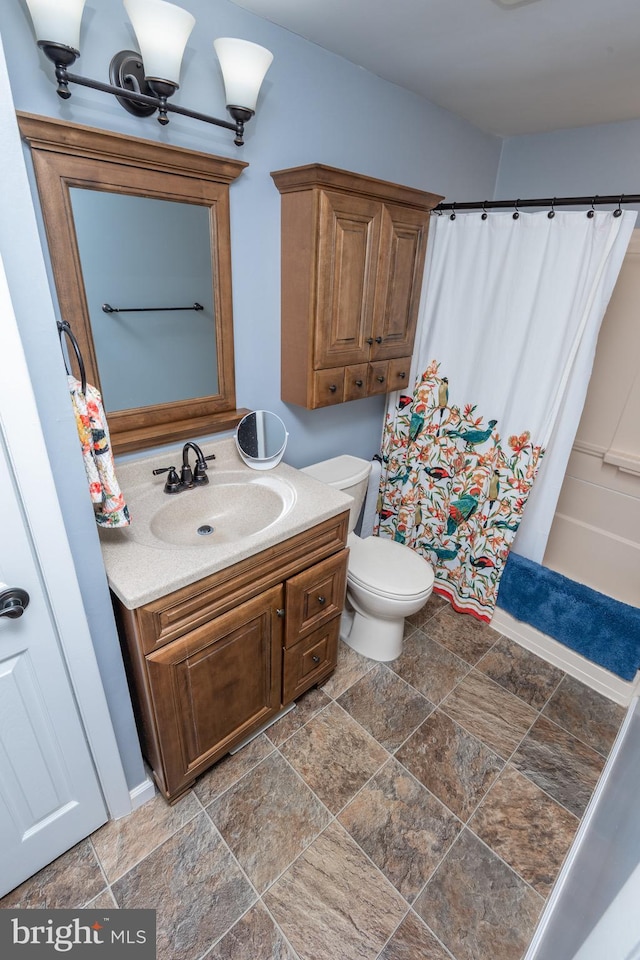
[388, 569]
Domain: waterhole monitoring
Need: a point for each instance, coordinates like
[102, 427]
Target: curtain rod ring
[591, 213]
[453, 212]
[552, 212]
[618, 212]
[484, 210]
[516, 213]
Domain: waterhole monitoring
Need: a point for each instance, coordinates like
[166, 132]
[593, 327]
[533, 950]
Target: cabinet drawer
[328, 386]
[355, 381]
[378, 377]
[398, 375]
[310, 660]
[314, 597]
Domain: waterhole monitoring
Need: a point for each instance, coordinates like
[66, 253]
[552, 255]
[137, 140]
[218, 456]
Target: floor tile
[413, 941]
[231, 768]
[120, 844]
[562, 766]
[351, 666]
[306, 707]
[104, 900]
[477, 906]
[194, 884]
[525, 827]
[491, 713]
[521, 672]
[335, 756]
[429, 667]
[387, 707]
[452, 763]
[332, 903]
[465, 636]
[69, 881]
[254, 937]
[586, 714]
[267, 819]
[402, 827]
[431, 607]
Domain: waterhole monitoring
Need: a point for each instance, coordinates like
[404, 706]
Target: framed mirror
[139, 240]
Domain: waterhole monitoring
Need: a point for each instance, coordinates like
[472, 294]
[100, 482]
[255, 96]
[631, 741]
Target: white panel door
[49, 793]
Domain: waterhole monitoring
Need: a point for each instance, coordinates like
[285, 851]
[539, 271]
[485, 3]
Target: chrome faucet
[188, 478]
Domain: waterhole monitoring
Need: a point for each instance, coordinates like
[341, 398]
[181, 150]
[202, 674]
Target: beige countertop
[143, 566]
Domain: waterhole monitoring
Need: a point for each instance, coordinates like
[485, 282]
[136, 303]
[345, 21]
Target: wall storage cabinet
[353, 251]
[214, 661]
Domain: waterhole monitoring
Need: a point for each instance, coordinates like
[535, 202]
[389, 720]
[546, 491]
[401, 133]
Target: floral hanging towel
[454, 490]
[107, 498]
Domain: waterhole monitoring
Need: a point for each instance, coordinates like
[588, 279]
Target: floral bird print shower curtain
[506, 338]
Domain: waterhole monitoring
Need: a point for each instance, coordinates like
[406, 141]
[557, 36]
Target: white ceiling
[525, 67]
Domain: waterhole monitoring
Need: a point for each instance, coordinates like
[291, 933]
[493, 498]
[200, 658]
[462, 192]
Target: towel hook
[63, 327]
[516, 212]
[484, 211]
[552, 212]
[618, 212]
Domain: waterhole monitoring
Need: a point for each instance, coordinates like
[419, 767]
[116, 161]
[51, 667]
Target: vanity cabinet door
[215, 685]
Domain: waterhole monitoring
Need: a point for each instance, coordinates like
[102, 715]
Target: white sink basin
[230, 508]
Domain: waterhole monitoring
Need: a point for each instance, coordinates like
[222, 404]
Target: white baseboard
[142, 793]
[594, 676]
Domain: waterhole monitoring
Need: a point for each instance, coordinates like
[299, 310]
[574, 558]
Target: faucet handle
[172, 484]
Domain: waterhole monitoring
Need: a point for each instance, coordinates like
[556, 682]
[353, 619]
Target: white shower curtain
[505, 343]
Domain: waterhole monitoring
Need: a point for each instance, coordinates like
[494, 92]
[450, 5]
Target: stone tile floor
[418, 810]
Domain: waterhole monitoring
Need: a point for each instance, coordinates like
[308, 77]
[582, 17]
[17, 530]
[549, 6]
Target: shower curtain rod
[539, 202]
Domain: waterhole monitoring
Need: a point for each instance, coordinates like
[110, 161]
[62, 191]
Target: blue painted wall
[314, 107]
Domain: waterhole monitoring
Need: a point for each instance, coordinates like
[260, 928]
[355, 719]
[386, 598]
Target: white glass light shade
[162, 30]
[244, 66]
[57, 21]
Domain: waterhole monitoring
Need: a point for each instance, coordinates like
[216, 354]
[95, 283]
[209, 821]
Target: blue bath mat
[600, 628]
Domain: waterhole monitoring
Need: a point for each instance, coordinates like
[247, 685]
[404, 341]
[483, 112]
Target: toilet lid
[388, 568]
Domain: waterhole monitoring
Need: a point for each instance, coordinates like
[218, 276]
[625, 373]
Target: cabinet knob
[402, 375]
[369, 340]
[358, 383]
[280, 612]
[378, 339]
[380, 379]
[332, 388]
[315, 658]
[322, 599]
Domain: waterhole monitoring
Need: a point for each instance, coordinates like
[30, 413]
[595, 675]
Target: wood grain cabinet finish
[353, 251]
[211, 663]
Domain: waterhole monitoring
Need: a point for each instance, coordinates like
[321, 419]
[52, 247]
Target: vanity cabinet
[212, 662]
[353, 251]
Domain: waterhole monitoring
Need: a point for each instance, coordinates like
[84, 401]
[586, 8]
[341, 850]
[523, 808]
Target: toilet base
[374, 638]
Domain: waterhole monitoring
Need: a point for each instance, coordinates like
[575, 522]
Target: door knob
[13, 602]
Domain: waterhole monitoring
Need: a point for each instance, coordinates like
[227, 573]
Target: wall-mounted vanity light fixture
[143, 82]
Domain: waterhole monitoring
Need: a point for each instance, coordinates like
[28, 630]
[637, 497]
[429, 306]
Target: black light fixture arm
[137, 102]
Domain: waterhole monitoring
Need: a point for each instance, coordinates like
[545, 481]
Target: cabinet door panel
[216, 684]
[402, 252]
[355, 381]
[378, 380]
[328, 387]
[347, 261]
[398, 374]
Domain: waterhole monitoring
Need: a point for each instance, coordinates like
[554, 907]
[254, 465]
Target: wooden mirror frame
[69, 155]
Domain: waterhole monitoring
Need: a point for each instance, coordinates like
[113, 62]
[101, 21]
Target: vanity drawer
[310, 660]
[314, 597]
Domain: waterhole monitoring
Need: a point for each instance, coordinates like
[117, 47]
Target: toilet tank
[346, 473]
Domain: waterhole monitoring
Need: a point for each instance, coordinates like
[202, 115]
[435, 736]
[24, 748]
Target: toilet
[386, 581]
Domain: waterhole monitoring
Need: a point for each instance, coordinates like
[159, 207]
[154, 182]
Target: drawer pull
[280, 612]
[315, 658]
[402, 375]
[332, 388]
[359, 383]
[322, 599]
[380, 379]
[378, 339]
[369, 340]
